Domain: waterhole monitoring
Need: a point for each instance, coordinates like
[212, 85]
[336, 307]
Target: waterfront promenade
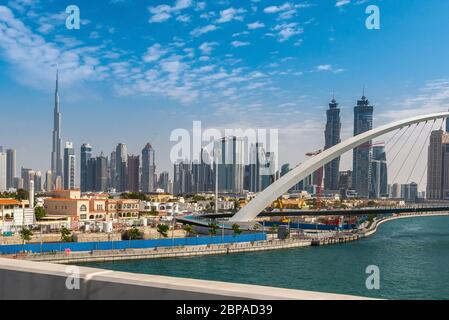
[330, 238]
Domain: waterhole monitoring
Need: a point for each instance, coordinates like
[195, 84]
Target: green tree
[162, 229]
[189, 230]
[39, 213]
[236, 229]
[26, 235]
[134, 234]
[66, 235]
[197, 198]
[21, 194]
[213, 228]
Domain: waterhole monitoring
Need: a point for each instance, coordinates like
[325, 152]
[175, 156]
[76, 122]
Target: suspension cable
[408, 154]
[397, 140]
[427, 163]
[395, 134]
[405, 142]
[420, 152]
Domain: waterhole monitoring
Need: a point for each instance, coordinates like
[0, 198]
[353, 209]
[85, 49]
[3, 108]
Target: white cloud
[164, 12]
[255, 25]
[154, 53]
[207, 47]
[327, 68]
[287, 30]
[239, 44]
[31, 55]
[198, 31]
[276, 9]
[342, 3]
[231, 14]
[183, 18]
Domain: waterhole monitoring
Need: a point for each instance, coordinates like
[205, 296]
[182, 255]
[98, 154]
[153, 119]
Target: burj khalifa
[56, 154]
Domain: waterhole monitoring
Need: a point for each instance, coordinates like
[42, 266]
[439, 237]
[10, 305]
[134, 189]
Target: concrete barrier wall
[38, 280]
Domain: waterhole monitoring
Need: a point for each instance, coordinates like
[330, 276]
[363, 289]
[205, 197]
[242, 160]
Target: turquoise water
[412, 255]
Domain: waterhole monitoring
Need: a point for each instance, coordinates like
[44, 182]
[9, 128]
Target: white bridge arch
[279, 187]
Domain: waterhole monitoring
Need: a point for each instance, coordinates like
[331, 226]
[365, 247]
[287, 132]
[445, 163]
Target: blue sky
[138, 69]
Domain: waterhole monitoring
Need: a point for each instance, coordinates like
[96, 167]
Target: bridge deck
[341, 212]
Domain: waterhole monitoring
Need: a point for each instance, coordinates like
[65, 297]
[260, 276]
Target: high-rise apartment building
[257, 164]
[48, 181]
[231, 167]
[379, 173]
[332, 137]
[27, 175]
[121, 167]
[133, 173]
[182, 178]
[11, 167]
[86, 154]
[202, 174]
[3, 172]
[148, 168]
[38, 181]
[438, 166]
[361, 169]
[69, 166]
[163, 181]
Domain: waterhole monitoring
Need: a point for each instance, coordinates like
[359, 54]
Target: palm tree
[213, 228]
[189, 229]
[236, 229]
[163, 229]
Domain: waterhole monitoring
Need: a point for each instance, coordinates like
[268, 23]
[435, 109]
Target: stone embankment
[226, 248]
[169, 252]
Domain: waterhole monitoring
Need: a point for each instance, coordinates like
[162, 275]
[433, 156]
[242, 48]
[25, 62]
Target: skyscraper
[270, 173]
[133, 173]
[379, 174]
[10, 167]
[112, 173]
[361, 169]
[48, 182]
[27, 176]
[332, 137]
[231, 166]
[121, 167]
[163, 181]
[202, 173]
[69, 166]
[437, 162]
[148, 168]
[97, 174]
[91, 175]
[56, 154]
[183, 177]
[256, 166]
[3, 172]
[101, 179]
[38, 181]
[86, 154]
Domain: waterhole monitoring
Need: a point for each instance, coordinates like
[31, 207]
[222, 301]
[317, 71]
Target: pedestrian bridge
[255, 207]
[385, 210]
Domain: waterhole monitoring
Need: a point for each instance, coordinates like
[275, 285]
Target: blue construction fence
[130, 244]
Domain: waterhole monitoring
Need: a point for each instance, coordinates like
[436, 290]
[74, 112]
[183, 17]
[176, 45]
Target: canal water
[412, 256]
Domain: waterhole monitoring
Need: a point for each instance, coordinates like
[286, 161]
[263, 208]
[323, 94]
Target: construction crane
[318, 174]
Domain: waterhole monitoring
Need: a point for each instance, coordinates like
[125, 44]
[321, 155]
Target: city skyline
[87, 111]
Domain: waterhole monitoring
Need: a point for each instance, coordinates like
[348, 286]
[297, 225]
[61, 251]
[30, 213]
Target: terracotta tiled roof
[9, 201]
